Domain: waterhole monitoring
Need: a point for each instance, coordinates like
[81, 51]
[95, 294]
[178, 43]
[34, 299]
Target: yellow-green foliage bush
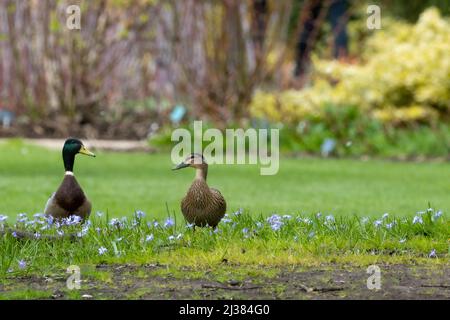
[404, 76]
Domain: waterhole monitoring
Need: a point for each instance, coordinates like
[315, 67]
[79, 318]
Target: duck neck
[69, 159]
[201, 173]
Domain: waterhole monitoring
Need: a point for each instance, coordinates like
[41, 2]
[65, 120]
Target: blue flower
[390, 225]
[385, 215]
[245, 230]
[102, 250]
[275, 222]
[140, 214]
[37, 235]
[14, 234]
[190, 225]
[311, 234]
[114, 222]
[329, 218]
[22, 264]
[60, 232]
[3, 218]
[239, 212]
[149, 238]
[169, 223]
[22, 217]
[437, 215]
[378, 223]
[417, 219]
[50, 220]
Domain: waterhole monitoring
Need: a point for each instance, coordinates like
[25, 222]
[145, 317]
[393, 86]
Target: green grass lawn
[122, 183]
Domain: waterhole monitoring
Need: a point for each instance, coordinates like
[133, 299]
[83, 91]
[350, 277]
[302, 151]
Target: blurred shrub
[402, 79]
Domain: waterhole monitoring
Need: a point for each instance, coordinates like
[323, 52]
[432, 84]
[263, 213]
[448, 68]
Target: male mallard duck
[69, 199]
[202, 205]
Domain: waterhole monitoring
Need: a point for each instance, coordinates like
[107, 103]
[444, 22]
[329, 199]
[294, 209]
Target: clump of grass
[272, 240]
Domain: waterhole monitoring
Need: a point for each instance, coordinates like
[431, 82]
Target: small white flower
[385, 215]
[102, 250]
[432, 254]
[149, 238]
[402, 240]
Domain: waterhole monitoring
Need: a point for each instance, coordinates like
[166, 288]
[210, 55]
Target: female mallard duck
[69, 199]
[202, 205]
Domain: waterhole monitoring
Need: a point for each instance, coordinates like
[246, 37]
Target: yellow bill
[85, 151]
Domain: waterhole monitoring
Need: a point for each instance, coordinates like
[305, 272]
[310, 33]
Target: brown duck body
[68, 200]
[202, 205]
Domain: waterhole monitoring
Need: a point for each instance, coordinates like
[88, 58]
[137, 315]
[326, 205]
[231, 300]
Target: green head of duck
[70, 149]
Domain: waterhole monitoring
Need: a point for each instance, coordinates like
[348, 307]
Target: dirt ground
[327, 282]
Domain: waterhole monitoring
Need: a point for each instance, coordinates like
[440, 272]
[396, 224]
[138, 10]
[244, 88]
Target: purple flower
[390, 225]
[245, 230]
[169, 223]
[22, 264]
[275, 222]
[239, 212]
[14, 234]
[37, 235]
[378, 223]
[3, 218]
